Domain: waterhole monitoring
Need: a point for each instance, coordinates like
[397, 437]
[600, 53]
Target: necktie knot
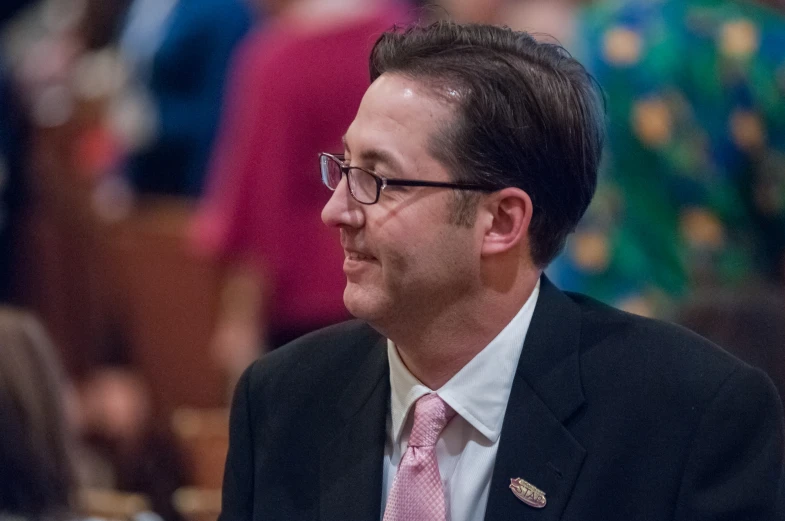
[431, 415]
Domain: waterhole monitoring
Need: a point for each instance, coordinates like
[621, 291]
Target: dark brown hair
[36, 472]
[529, 116]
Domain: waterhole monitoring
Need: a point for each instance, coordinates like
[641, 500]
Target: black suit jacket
[613, 416]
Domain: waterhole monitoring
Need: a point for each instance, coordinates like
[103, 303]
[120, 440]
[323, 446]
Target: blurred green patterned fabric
[692, 188]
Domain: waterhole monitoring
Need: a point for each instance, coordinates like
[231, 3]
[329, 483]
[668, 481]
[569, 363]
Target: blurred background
[160, 200]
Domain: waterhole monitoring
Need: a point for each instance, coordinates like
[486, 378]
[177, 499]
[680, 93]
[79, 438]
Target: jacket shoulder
[669, 358]
[327, 357]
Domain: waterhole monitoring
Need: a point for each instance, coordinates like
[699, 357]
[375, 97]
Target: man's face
[405, 262]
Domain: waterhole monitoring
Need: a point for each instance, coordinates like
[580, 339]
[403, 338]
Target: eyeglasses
[365, 186]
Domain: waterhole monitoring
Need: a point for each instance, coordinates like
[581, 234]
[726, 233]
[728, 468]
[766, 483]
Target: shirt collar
[479, 391]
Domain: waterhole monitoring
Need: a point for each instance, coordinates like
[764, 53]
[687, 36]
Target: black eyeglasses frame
[383, 182]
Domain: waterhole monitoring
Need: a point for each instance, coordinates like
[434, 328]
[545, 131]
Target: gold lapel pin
[527, 493]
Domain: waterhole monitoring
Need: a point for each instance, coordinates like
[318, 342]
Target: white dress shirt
[466, 450]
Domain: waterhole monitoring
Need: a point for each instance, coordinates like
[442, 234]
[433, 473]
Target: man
[471, 388]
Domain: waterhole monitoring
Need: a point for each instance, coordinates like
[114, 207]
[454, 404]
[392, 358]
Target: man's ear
[508, 213]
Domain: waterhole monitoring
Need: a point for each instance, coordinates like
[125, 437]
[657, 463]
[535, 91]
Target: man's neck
[435, 351]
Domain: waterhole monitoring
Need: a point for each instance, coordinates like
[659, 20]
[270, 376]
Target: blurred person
[10, 7]
[12, 149]
[178, 52]
[119, 427]
[295, 86]
[750, 323]
[100, 21]
[471, 388]
[37, 479]
[40, 415]
[554, 18]
[12, 193]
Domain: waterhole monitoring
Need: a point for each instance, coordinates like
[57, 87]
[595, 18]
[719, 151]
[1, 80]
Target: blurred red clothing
[293, 93]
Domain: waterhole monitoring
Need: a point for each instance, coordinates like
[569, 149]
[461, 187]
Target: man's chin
[361, 303]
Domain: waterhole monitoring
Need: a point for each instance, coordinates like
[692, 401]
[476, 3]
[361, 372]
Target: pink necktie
[417, 493]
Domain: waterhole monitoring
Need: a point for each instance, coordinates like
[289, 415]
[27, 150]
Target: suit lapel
[534, 443]
[350, 477]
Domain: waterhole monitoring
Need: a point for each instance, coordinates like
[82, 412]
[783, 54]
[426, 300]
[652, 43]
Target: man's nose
[342, 209]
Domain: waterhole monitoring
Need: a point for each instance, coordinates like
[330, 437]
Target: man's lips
[357, 262]
[358, 256]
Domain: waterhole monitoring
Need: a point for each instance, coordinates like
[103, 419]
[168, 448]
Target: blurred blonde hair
[36, 468]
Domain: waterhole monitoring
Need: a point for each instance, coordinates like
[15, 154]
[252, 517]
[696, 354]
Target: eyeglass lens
[331, 172]
[362, 185]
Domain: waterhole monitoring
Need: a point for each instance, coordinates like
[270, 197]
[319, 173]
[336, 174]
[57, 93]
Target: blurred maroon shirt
[292, 93]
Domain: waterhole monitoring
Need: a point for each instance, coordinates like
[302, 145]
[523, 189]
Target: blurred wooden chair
[198, 504]
[111, 505]
[204, 437]
[167, 304]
